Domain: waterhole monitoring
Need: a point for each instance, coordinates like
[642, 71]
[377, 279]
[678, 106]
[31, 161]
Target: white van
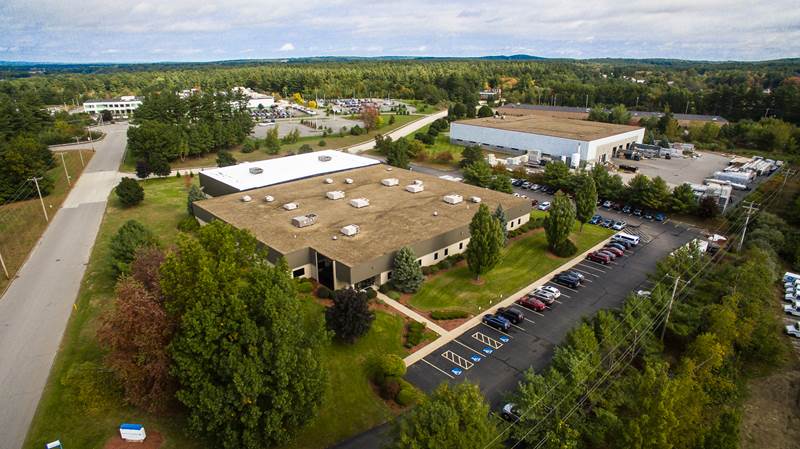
[630, 238]
[791, 277]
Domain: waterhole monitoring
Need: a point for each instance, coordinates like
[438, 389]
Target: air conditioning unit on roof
[304, 220]
[475, 199]
[350, 230]
[256, 170]
[246, 198]
[269, 199]
[358, 203]
[291, 206]
[335, 195]
[389, 182]
[415, 188]
[348, 180]
[452, 199]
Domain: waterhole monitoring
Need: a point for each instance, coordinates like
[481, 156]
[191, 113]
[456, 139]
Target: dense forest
[734, 90]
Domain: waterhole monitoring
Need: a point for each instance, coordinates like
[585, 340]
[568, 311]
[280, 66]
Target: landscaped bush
[322, 143]
[371, 293]
[424, 138]
[566, 249]
[415, 334]
[392, 365]
[390, 387]
[188, 224]
[304, 286]
[444, 265]
[534, 223]
[434, 269]
[393, 294]
[385, 288]
[305, 148]
[448, 314]
[324, 292]
[426, 271]
[407, 395]
[129, 192]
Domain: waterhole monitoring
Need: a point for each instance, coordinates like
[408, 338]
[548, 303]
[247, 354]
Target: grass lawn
[332, 142]
[23, 222]
[349, 407]
[524, 261]
[423, 107]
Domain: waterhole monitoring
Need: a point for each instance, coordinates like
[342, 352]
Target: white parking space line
[523, 330]
[487, 340]
[438, 369]
[497, 330]
[456, 359]
[564, 295]
[563, 286]
[595, 263]
[588, 267]
[473, 350]
[586, 272]
[555, 300]
[531, 321]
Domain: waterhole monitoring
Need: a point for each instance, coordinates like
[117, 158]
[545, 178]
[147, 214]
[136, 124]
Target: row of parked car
[635, 211]
[791, 286]
[522, 184]
[537, 300]
[616, 225]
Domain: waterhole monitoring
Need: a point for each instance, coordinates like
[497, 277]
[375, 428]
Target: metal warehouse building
[344, 229]
[558, 138]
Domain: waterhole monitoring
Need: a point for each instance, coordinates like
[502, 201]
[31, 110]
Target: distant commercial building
[119, 107]
[255, 99]
[490, 94]
[563, 139]
[344, 228]
[583, 113]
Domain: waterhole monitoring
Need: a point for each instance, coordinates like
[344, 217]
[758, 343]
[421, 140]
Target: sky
[208, 30]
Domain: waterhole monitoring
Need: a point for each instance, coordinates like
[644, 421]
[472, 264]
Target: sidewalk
[412, 314]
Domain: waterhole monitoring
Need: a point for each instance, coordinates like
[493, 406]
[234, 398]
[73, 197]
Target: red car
[531, 303]
[599, 257]
[615, 251]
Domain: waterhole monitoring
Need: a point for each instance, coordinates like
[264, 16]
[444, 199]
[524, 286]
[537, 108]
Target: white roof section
[289, 168]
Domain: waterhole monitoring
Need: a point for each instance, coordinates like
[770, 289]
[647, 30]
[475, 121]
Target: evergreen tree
[485, 243]
[485, 111]
[397, 155]
[469, 155]
[407, 273]
[683, 199]
[129, 192]
[479, 174]
[195, 194]
[225, 158]
[500, 215]
[558, 224]
[349, 317]
[123, 246]
[585, 199]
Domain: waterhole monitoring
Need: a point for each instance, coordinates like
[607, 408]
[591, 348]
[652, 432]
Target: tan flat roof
[393, 219]
[552, 126]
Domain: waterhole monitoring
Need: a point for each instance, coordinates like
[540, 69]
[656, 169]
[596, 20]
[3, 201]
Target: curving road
[36, 307]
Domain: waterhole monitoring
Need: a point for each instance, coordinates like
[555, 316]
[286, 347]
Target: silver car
[793, 330]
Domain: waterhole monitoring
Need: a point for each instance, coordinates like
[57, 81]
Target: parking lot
[287, 126]
[496, 360]
[677, 171]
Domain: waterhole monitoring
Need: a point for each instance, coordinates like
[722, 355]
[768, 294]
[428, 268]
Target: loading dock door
[325, 271]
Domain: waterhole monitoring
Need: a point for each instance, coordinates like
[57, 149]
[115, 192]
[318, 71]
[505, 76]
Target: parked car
[648, 216]
[510, 413]
[567, 280]
[595, 219]
[496, 322]
[599, 258]
[545, 205]
[616, 206]
[792, 309]
[535, 187]
[529, 302]
[607, 223]
[660, 217]
[626, 209]
[575, 273]
[526, 184]
[618, 245]
[637, 212]
[614, 250]
[619, 225]
[511, 314]
[552, 290]
[607, 204]
[609, 253]
[793, 329]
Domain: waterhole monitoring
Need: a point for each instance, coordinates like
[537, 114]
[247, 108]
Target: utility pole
[669, 307]
[687, 107]
[786, 175]
[750, 208]
[44, 209]
[587, 101]
[3, 263]
[65, 169]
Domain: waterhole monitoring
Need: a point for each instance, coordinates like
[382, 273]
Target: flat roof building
[583, 113]
[344, 229]
[560, 138]
[253, 175]
[120, 106]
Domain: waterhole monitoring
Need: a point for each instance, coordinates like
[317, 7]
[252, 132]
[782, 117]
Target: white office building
[119, 107]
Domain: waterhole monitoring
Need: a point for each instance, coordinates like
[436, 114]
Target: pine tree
[129, 192]
[407, 273]
[500, 215]
[558, 225]
[349, 317]
[469, 155]
[195, 194]
[485, 243]
[585, 199]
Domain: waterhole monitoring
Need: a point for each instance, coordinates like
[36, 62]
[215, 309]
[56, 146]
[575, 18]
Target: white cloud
[287, 47]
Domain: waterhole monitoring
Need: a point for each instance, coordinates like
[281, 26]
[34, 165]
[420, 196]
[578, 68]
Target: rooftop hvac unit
[246, 198]
[415, 188]
[324, 158]
[328, 181]
[350, 230]
[358, 203]
[418, 182]
[348, 180]
[335, 195]
[475, 199]
[304, 220]
[389, 182]
[269, 199]
[291, 206]
[452, 199]
[256, 170]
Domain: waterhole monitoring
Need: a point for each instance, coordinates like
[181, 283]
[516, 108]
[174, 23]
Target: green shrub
[131, 236]
[390, 387]
[188, 224]
[392, 366]
[534, 223]
[448, 314]
[305, 148]
[385, 288]
[426, 271]
[415, 334]
[434, 269]
[393, 294]
[445, 265]
[371, 293]
[305, 286]
[324, 292]
[321, 143]
[129, 192]
[408, 395]
[566, 249]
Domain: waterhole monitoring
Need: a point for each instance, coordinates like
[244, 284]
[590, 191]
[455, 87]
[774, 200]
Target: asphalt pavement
[36, 307]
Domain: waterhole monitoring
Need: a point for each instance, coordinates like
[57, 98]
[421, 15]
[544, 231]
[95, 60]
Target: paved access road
[400, 132]
[35, 309]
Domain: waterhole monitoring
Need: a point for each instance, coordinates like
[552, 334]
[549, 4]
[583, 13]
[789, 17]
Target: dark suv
[567, 280]
[496, 322]
[511, 314]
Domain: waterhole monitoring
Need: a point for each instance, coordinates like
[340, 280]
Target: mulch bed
[154, 440]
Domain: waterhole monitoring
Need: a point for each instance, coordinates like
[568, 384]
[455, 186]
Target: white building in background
[255, 99]
[560, 138]
[119, 107]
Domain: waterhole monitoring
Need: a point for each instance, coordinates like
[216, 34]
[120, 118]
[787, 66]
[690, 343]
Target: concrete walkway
[412, 314]
[402, 131]
[455, 333]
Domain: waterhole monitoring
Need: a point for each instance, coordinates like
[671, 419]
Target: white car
[793, 330]
[792, 309]
[544, 206]
[619, 225]
[551, 290]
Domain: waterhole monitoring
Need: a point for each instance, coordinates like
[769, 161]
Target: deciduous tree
[558, 224]
[585, 199]
[486, 242]
[349, 317]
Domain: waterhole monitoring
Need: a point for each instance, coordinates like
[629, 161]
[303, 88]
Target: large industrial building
[343, 228]
[570, 140]
[119, 107]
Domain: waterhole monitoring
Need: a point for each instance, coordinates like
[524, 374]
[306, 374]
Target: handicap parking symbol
[456, 371]
[475, 358]
[488, 350]
[504, 339]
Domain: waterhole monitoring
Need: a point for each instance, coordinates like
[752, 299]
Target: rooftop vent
[415, 188]
[246, 198]
[304, 220]
[350, 230]
[358, 203]
[328, 181]
[324, 158]
[348, 180]
[452, 199]
[291, 206]
[418, 182]
[475, 199]
[335, 195]
[389, 182]
[269, 199]
[256, 170]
